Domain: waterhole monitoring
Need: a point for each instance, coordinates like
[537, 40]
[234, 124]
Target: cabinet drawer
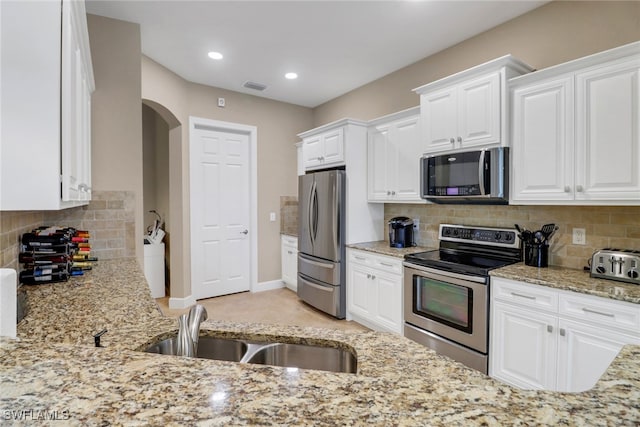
[289, 241]
[379, 262]
[524, 294]
[601, 311]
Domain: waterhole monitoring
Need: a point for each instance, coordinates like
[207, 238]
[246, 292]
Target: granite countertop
[570, 280]
[53, 369]
[382, 247]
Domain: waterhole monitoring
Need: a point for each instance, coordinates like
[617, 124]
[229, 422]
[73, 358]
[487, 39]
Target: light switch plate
[579, 236]
[272, 216]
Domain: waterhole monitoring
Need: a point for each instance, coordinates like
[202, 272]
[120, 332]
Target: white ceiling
[334, 46]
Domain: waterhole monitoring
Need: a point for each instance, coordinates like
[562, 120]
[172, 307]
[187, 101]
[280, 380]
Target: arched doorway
[160, 129]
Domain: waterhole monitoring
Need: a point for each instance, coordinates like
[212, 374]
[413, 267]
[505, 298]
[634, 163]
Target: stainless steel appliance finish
[446, 292]
[480, 176]
[321, 250]
[616, 264]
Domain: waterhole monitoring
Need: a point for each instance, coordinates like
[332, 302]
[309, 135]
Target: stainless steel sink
[208, 348]
[276, 354]
[304, 356]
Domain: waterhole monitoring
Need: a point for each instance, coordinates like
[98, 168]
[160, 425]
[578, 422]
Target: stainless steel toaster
[616, 264]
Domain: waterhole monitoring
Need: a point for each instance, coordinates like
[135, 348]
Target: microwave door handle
[481, 170]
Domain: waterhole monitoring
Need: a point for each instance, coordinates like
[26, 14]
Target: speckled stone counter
[54, 370]
[382, 247]
[570, 280]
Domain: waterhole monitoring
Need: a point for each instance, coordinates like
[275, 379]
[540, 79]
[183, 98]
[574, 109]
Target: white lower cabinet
[555, 340]
[374, 290]
[289, 259]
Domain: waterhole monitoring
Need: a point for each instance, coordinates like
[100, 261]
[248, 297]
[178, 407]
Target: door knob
[245, 232]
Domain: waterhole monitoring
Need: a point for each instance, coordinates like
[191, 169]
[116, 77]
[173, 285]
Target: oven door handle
[446, 273]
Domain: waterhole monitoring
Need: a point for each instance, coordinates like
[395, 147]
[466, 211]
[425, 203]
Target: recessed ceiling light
[215, 55]
[291, 76]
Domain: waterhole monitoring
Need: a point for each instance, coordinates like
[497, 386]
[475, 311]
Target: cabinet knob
[373, 277]
[393, 193]
[388, 193]
[368, 276]
[459, 139]
[579, 188]
[549, 328]
[562, 332]
[567, 189]
[452, 140]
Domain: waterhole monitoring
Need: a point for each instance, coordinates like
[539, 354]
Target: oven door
[451, 305]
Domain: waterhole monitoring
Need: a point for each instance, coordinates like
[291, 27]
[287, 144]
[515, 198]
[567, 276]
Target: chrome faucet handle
[197, 315]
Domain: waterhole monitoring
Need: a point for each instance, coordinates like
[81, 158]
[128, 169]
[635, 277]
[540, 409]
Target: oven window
[443, 302]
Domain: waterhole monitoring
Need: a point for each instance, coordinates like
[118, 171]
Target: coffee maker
[401, 232]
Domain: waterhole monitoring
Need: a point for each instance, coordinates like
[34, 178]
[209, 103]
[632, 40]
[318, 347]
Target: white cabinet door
[408, 149]
[584, 353]
[389, 301]
[608, 132]
[333, 144]
[361, 290]
[312, 151]
[523, 347]
[439, 119]
[393, 161]
[289, 259]
[542, 151]
[479, 111]
[378, 164]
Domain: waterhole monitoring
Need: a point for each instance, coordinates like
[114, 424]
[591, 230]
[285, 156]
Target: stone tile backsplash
[110, 218]
[289, 215]
[605, 226]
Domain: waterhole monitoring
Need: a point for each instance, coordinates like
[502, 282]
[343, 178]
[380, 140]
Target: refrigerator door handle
[315, 212]
[311, 213]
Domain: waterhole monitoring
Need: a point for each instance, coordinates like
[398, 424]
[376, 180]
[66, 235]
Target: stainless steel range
[446, 291]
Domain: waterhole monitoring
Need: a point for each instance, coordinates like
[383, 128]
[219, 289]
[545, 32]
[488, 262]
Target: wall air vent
[254, 86]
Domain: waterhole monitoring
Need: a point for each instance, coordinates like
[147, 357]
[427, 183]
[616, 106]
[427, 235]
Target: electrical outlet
[416, 224]
[221, 102]
[579, 236]
[272, 216]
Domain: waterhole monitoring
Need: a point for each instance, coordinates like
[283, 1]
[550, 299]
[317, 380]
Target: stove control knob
[508, 237]
[498, 236]
[633, 274]
[600, 269]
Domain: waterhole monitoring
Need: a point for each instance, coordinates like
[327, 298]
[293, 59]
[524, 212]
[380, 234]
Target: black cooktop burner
[460, 261]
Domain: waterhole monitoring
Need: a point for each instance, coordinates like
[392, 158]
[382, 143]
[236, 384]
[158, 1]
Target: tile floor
[280, 306]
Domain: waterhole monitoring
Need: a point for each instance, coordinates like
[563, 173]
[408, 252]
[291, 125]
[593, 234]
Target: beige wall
[554, 33]
[116, 157]
[277, 125]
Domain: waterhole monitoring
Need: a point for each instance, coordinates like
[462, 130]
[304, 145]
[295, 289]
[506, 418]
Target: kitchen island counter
[53, 369]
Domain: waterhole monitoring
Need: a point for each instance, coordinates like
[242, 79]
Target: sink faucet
[189, 331]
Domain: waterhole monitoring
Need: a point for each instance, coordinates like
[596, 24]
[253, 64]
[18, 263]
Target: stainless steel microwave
[480, 176]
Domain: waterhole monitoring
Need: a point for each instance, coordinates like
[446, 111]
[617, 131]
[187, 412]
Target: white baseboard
[268, 286]
[180, 303]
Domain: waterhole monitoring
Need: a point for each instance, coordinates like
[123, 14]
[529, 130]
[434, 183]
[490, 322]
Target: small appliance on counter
[616, 264]
[401, 232]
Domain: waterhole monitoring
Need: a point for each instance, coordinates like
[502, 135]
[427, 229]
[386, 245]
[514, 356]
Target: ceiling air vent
[254, 86]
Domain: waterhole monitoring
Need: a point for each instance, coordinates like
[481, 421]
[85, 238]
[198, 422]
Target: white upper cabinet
[47, 81]
[468, 109]
[576, 136]
[393, 158]
[323, 150]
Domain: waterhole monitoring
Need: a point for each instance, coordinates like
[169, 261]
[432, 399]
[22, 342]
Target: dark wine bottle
[27, 278]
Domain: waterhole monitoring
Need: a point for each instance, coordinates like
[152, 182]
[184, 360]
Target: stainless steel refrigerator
[321, 235]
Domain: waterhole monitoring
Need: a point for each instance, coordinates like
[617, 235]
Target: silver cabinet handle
[361, 258]
[386, 264]
[245, 232]
[289, 252]
[588, 310]
[567, 189]
[373, 277]
[562, 332]
[522, 296]
[368, 276]
[393, 193]
[459, 139]
[549, 328]
[388, 193]
[452, 140]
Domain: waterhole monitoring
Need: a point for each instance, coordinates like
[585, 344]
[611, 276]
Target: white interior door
[220, 211]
